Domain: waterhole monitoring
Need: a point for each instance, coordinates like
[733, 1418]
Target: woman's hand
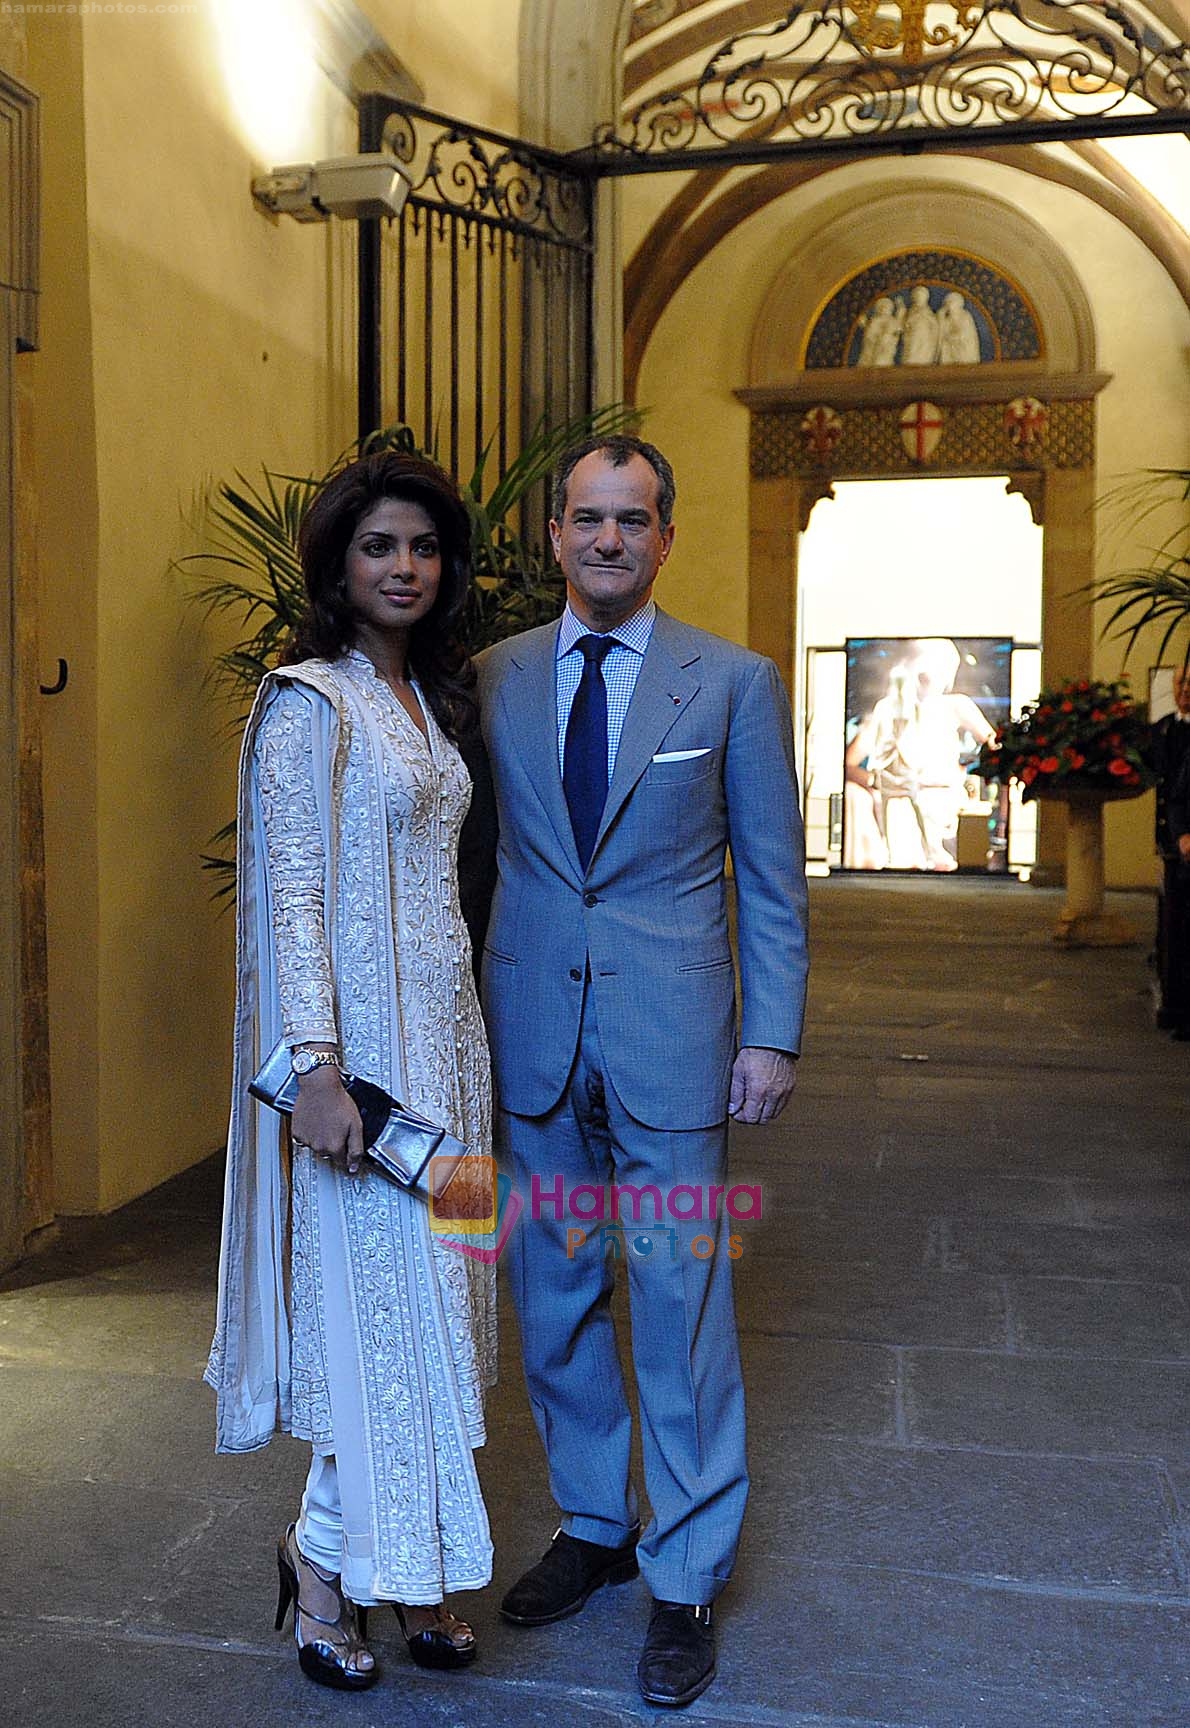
[326, 1120]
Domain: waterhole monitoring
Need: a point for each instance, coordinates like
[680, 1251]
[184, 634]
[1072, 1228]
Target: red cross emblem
[1026, 420]
[921, 428]
[821, 430]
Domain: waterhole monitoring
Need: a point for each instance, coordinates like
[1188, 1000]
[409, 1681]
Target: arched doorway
[919, 622]
[829, 401]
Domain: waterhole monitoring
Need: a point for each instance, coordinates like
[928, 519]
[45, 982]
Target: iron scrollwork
[490, 178]
[856, 69]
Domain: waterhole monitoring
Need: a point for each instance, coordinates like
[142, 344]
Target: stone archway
[1058, 479]
[571, 59]
[571, 75]
[814, 424]
[793, 467]
[572, 56]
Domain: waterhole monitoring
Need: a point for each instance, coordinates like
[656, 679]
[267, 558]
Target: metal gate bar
[491, 224]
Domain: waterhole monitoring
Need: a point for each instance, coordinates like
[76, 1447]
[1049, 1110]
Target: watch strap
[311, 1059]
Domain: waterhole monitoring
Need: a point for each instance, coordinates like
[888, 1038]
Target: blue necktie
[584, 757]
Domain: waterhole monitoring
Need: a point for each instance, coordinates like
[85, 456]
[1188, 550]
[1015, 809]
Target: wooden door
[24, 1066]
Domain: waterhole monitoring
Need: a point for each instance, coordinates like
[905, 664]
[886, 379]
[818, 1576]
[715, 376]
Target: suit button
[590, 899]
[576, 974]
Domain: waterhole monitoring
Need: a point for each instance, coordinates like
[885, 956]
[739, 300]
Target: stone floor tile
[899, 1247]
[1135, 1197]
[869, 1306]
[817, 1386]
[1099, 1316]
[897, 1648]
[75, 1323]
[1136, 1252]
[109, 1682]
[141, 1430]
[1066, 1523]
[964, 1328]
[946, 1192]
[1091, 1407]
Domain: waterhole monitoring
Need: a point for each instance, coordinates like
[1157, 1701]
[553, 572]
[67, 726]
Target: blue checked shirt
[620, 668]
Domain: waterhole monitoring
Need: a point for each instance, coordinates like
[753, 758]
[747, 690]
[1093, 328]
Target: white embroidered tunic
[350, 822]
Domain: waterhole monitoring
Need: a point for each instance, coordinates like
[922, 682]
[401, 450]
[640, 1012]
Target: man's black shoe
[567, 1573]
[677, 1663]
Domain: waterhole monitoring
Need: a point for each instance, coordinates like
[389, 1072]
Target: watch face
[303, 1061]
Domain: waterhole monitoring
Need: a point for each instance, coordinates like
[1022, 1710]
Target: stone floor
[967, 1339]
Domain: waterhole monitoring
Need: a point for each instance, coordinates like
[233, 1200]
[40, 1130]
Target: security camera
[353, 187]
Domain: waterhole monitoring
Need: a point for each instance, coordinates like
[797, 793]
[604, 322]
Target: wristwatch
[304, 1061]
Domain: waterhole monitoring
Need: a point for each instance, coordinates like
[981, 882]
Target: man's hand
[1184, 845]
[762, 1083]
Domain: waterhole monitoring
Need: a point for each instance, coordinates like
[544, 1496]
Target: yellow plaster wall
[68, 533]
[462, 52]
[184, 336]
[697, 356]
[13, 57]
[190, 336]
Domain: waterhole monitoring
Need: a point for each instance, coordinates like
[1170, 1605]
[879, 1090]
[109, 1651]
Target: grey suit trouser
[684, 1345]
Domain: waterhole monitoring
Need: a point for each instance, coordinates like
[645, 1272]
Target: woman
[342, 1318]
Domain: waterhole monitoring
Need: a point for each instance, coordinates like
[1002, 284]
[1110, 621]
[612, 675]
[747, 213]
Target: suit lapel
[531, 702]
[666, 684]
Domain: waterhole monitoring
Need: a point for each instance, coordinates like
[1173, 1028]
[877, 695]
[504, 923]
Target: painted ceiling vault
[715, 72]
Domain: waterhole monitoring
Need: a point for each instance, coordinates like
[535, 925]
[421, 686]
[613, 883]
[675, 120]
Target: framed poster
[917, 710]
[1161, 700]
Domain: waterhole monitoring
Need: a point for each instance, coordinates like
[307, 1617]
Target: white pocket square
[681, 755]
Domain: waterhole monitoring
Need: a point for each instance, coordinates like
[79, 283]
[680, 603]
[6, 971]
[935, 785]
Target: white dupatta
[249, 1364]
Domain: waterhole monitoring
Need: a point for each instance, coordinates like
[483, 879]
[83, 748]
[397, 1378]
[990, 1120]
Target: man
[1171, 751]
[628, 751]
[1170, 747]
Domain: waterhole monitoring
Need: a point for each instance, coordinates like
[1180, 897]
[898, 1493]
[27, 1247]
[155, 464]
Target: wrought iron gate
[475, 309]
[475, 305]
[843, 78]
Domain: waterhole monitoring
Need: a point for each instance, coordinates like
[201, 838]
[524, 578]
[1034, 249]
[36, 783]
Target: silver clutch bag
[409, 1149]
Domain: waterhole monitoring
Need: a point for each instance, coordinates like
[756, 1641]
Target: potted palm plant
[1086, 741]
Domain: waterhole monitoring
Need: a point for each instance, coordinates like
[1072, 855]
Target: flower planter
[1084, 742]
[1083, 922]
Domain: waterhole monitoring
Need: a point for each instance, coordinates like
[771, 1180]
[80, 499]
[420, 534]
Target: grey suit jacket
[651, 912]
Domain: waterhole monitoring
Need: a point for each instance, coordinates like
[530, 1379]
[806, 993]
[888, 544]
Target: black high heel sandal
[322, 1660]
[433, 1647]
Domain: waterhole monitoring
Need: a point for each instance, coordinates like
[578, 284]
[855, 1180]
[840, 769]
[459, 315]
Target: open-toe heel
[435, 1647]
[330, 1660]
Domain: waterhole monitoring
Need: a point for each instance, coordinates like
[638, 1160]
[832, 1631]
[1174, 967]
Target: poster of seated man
[917, 710]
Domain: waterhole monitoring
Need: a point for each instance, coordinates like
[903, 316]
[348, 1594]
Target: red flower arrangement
[1084, 734]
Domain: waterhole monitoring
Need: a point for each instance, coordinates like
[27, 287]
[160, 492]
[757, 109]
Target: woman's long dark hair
[326, 630]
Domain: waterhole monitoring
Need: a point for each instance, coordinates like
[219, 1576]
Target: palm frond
[1155, 595]
[543, 447]
[224, 870]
